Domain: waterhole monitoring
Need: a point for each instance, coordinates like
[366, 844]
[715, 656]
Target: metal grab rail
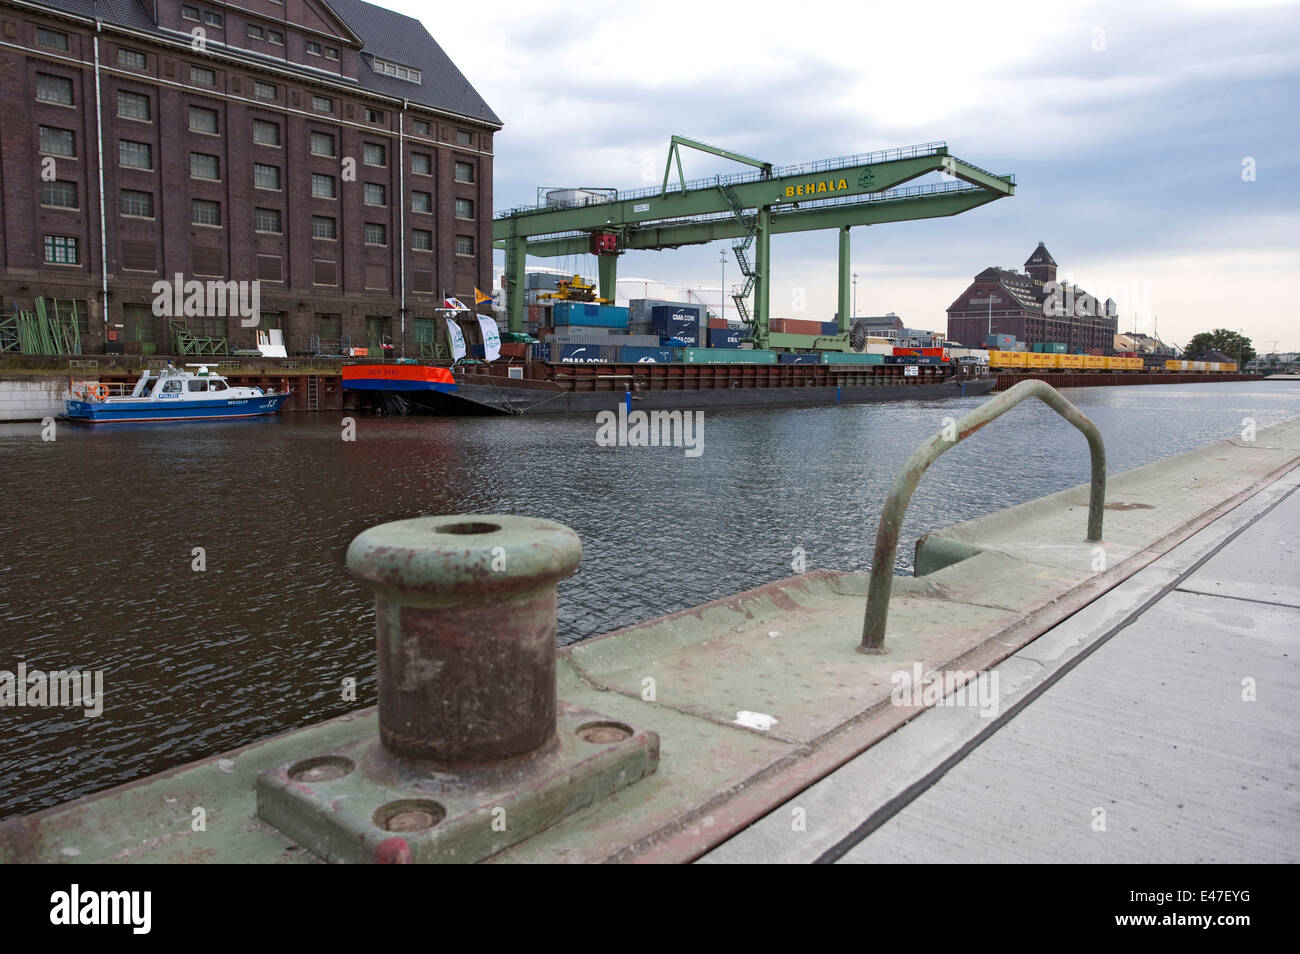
[900, 495]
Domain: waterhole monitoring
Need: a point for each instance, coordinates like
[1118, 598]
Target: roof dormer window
[389, 68]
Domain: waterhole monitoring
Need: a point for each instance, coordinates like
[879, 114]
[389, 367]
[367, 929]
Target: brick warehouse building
[1021, 307]
[268, 140]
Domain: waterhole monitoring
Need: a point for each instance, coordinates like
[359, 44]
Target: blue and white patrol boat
[171, 394]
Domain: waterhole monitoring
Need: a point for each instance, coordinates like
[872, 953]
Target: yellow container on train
[1093, 362]
[1034, 359]
[1007, 359]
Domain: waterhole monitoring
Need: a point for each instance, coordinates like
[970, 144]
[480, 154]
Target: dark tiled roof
[402, 39]
[1040, 256]
[388, 35]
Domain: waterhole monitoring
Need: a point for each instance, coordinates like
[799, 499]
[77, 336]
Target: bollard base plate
[337, 806]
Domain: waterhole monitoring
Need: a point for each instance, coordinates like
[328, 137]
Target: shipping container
[583, 354]
[792, 357]
[941, 353]
[830, 328]
[589, 331]
[913, 359]
[633, 355]
[727, 356]
[719, 323]
[639, 309]
[589, 315]
[1001, 342]
[851, 357]
[724, 337]
[794, 326]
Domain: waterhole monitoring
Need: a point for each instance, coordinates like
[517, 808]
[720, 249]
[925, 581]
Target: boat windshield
[216, 384]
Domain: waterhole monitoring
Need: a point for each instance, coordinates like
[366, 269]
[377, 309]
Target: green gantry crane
[748, 209]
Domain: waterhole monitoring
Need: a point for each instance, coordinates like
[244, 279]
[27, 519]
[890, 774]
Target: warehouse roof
[385, 34]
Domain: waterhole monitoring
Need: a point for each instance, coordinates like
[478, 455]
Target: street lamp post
[986, 301]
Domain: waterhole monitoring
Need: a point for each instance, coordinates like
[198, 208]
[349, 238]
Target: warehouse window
[132, 59]
[61, 250]
[322, 144]
[374, 154]
[132, 105]
[255, 32]
[464, 172]
[60, 195]
[203, 166]
[266, 177]
[53, 89]
[420, 127]
[331, 52]
[422, 240]
[464, 138]
[275, 36]
[464, 208]
[203, 212]
[266, 134]
[136, 203]
[266, 220]
[323, 227]
[374, 115]
[212, 19]
[421, 164]
[58, 142]
[375, 234]
[421, 201]
[322, 186]
[51, 38]
[189, 13]
[374, 194]
[313, 48]
[203, 120]
[389, 68]
[322, 104]
[464, 245]
[265, 90]
[202, 76]
[134, 155]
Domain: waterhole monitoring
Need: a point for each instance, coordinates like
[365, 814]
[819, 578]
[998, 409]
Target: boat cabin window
[196, 385]
[216, 385]
[171, 387]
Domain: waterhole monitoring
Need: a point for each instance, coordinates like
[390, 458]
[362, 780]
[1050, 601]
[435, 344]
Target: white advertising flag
[456, 338]
[491, 337]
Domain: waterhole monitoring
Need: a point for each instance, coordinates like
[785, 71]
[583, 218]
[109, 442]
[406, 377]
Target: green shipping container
[726, 356]
[1049, 347]
[851, 357]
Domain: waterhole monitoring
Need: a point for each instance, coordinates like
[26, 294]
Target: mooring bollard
[471, 751]
[465, 632]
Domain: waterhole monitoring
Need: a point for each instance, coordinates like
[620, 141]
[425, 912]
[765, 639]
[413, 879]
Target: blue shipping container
[830, 327]
[667, 319]
[787, 357]
[632, 355]
[584, 314]
[724, 337]
[584, 354]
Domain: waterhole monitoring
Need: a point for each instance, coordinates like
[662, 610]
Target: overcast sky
[1126, 124]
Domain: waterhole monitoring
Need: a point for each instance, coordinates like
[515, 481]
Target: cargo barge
[551, 388]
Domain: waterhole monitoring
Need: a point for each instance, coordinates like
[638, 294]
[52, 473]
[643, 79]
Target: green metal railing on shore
[52, 330]
[900, 495]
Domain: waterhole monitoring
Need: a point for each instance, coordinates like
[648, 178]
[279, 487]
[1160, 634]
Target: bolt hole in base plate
[604, 733]
[356, 817]
[326, 768]
[411, 814]
[475, 526]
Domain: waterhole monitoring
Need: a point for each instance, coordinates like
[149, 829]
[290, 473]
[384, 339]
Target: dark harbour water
[99, 528]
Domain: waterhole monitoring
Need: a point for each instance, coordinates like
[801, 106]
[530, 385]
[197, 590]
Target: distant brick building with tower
[1032, 307]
